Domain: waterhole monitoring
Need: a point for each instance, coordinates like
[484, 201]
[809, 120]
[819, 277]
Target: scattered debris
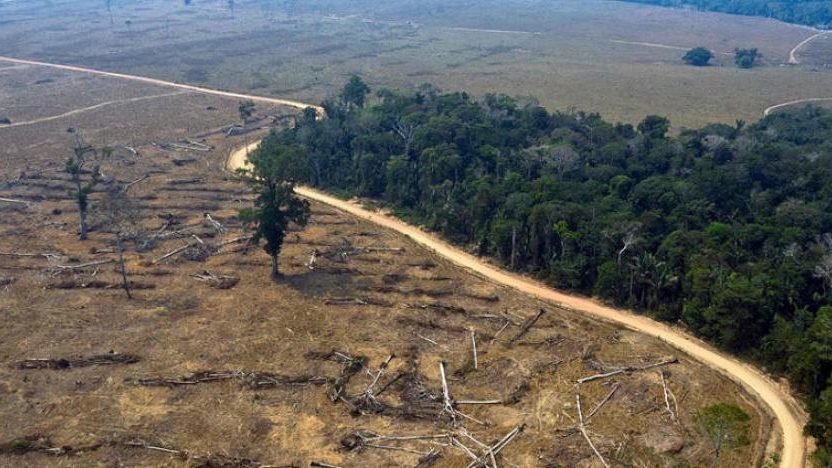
[108, 359]
[354, 301]
[41, 444]
[217, 281]
[251, 380]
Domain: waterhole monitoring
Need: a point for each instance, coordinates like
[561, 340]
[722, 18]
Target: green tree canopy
[698, 57]
[746, 58]
[724, 425]
[273, 171]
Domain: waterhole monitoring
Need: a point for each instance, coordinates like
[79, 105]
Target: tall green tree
[76, 167]
[355, 92]
[246, 109]
[273, 173]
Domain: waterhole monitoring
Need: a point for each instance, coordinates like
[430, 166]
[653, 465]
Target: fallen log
[15, 201]
[251, 380]
[83, 265]
[46, 255]
[61, 363]
[217, 281]
[527, 326]
[627, 370]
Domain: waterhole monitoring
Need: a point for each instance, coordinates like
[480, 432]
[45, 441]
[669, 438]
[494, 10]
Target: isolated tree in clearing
[273, 173]
[698, 57]
[745, 58]
[724, 425]
[246, 109]
[121, 216]
[75, 168]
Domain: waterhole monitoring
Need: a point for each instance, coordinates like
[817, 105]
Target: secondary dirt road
[773, 108]
[90, 108]
[785, 409]
[793, 60]
[169, 84]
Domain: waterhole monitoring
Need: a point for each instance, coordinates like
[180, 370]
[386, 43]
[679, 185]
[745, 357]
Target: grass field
[620, 59]
[177, 325]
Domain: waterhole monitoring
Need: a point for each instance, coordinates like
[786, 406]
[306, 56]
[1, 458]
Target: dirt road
[90, 108]
[169, 84]
[773, 108]
[785, 409]
[793, 60]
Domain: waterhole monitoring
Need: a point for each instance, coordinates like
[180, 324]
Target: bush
[698, 57]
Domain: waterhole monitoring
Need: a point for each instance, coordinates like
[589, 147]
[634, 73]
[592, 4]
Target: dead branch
[602, 403]
[83, 265]
[45, 255]
[667, 396]
[217, 281]
[582, 429]
[479, 402]
[234, 241]
[448, 405]
[496, 448]
[174, 252]
[316, 464]
[16, 202]
[527, 326]
[429, 459]
[217, 225]
[140, 179]
[627, 370]
[474, 348]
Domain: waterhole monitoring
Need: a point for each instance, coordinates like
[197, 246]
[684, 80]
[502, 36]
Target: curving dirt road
[793, 60]
[773, 108]
[785, 409]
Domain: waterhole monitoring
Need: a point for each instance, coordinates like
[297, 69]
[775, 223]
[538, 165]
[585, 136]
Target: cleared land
[561, 52]
[265, 393]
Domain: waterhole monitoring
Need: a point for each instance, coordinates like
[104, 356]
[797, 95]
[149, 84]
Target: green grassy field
[622, 60]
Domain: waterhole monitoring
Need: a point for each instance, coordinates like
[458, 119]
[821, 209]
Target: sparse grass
[571, 63]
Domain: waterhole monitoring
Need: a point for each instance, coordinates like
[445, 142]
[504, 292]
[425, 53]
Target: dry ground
[177, 325]
[572, 61]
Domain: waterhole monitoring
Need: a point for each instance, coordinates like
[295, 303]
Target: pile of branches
[248, 379]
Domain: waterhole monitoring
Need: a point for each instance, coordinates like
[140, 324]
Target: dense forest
[809, 12]
[725, 229]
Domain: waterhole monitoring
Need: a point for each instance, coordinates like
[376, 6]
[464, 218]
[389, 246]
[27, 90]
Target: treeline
[809, 12]
[725, 229]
